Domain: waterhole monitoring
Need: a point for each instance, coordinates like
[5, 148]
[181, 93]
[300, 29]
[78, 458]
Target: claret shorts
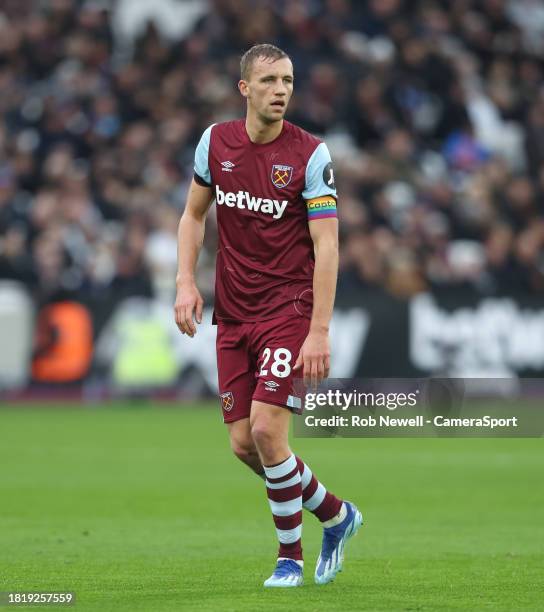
[255, 362]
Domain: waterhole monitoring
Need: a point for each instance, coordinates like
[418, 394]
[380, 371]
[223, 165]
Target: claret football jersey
[266, 195]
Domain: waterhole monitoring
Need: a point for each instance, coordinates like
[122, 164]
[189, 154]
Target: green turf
[143, 508]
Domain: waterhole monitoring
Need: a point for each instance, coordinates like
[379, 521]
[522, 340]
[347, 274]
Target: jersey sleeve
[320, 190]
[202, 169]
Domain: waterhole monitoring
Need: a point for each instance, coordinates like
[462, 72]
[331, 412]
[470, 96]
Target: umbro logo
[271, 385]
[227, 166]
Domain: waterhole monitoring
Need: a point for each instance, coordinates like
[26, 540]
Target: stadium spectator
[437, 110]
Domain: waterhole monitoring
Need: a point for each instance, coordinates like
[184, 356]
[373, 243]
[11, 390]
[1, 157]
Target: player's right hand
[188, 302]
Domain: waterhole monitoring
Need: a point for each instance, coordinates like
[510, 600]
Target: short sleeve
[202, 169]
[320, 189]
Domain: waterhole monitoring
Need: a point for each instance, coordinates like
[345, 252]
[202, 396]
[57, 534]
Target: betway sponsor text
[243, 199]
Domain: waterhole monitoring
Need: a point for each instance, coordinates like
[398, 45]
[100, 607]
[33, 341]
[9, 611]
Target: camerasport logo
[271, 385]
[227, 401]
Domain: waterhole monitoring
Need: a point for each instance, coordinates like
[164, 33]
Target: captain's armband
[323, 207]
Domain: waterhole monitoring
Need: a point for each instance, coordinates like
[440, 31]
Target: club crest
[281, 175]
[227, 401]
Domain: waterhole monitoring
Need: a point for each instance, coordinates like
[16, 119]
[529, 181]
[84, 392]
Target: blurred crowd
[433, 111]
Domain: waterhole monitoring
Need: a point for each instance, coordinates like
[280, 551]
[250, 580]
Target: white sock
[301, 563]
[336, 520]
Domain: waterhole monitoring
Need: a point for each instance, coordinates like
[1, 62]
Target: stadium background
[434, 115]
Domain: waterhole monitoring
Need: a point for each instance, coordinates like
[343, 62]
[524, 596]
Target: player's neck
[261, 133]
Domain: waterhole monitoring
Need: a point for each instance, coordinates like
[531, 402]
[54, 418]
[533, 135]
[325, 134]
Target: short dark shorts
[255, 362]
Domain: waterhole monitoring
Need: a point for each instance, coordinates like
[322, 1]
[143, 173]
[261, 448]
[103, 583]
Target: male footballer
[277, 262]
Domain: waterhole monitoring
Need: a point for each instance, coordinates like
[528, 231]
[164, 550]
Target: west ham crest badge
[281, 175]
[227, 401]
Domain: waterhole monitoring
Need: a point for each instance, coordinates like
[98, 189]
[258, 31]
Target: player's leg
[323, 504]
[236, 374]
[270, 429]
[242, 445]
[340, 520]
[315, 498]
[237, 385]
[280, 341]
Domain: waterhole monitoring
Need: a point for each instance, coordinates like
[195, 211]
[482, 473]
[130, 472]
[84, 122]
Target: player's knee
[244, 449]
[262, 435]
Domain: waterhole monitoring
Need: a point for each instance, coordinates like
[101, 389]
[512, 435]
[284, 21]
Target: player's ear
[243, 88]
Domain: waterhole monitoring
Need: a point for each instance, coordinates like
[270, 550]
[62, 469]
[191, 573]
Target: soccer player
[277, 262]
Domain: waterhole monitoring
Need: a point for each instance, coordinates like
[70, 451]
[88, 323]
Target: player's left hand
[314, 358]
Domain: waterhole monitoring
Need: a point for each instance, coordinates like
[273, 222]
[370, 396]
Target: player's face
[269, 88]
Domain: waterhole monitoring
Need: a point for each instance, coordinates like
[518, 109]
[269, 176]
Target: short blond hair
[265, 51]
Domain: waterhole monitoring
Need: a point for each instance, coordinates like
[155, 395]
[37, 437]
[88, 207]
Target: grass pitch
[143, 508]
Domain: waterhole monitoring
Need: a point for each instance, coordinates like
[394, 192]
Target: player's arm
[190, 239]
[320, 195]
[314, 355]
[324, 234]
